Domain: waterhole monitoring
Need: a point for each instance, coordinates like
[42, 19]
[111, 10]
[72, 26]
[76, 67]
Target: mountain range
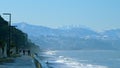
[71, 37]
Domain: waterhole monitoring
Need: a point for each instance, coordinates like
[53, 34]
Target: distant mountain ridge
[61, 38]
[41, 30]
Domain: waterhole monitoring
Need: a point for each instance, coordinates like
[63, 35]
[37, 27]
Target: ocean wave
[55, 61]
[50, 52]
[63, 62]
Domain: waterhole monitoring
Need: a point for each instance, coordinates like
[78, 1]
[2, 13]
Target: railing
[38, 62]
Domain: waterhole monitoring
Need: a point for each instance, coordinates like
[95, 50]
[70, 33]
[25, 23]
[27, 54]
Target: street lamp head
[6, 13]
[9, 14]
[13, 26]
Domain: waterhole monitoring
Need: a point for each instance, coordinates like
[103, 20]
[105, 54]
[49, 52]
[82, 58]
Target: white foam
[50, 52]
[65, 62]
[70, 63]
[82, 65]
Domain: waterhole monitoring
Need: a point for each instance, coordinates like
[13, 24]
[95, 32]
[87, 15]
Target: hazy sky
[96, 14]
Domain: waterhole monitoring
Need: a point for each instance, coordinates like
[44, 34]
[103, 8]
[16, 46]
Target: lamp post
[9, 14]
[9, 30]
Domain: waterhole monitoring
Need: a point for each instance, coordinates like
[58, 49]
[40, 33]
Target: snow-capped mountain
[35, 30]
[71, 37]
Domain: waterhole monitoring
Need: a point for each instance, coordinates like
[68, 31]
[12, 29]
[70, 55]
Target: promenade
[20, 62]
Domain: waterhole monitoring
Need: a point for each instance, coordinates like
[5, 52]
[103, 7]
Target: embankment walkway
[20, 62]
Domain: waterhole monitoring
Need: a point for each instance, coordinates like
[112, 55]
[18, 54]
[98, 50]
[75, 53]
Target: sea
[80, 58]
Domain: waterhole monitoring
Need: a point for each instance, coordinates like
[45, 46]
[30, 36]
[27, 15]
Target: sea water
[81, 58]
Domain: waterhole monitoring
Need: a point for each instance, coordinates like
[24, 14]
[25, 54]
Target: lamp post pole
[9, 30]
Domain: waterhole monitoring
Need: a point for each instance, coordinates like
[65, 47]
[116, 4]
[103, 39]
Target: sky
[97, 14]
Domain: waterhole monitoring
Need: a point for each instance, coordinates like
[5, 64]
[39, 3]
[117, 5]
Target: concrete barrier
[38, 62]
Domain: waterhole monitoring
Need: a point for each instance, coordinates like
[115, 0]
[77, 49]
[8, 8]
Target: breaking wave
[66, 62]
